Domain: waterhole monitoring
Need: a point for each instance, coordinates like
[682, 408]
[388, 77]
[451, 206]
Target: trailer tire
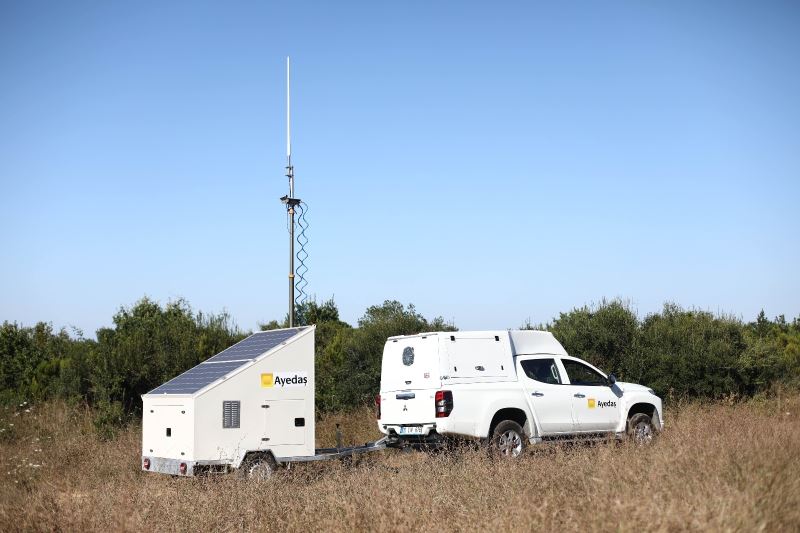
[258, 467]
[508, 439]
[641, 429]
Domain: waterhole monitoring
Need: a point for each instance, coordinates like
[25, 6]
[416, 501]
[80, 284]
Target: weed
[729, 466]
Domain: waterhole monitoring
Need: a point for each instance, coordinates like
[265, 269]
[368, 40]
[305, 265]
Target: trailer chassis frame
[326, 454]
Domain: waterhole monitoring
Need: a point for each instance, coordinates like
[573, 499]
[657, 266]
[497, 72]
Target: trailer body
[255, 397]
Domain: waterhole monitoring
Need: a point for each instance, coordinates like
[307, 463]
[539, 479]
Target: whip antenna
[289, 200]
[290, 173]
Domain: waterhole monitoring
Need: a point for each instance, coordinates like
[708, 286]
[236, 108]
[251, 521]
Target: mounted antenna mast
[290, 173]
[289, 200]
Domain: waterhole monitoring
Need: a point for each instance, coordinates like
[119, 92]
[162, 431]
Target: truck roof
[522, 341]
[532, 341]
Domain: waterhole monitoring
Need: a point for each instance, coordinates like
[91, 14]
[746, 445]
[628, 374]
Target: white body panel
[285, 426]
[551, 405]
[484, 372]
[175, 415]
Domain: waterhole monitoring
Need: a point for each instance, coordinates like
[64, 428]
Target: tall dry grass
[717, 467]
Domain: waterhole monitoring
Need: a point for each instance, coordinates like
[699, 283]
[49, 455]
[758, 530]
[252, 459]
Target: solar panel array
[225, 362]
[254, 345]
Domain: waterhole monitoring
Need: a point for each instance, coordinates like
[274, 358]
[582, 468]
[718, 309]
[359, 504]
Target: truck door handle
[579, 395]
[405, 396]
[480, 368]
[537, 394]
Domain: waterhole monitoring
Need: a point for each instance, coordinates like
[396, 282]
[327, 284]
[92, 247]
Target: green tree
[150, 344]
[772, 354]
[689, 353]
[356, 353]
[603, 335]
[38, 363]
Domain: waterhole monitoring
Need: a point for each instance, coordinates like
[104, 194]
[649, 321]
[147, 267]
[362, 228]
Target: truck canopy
[411, 363]
[528, 342]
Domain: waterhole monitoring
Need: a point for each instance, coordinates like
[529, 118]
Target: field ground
[720, 467]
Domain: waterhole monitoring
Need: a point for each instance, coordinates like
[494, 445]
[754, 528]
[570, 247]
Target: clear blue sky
[489, 162]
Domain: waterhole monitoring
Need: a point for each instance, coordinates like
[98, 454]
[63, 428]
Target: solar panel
[255, 345]
[225, 362]
[196, 378]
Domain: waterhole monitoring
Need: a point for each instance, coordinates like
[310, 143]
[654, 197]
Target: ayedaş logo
[284, 379]
[592, 403]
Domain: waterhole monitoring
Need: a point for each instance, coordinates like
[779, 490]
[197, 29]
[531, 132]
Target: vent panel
[230, 414]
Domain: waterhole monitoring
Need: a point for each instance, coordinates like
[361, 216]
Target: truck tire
[640, 429]
[508, 439]
[258, 467]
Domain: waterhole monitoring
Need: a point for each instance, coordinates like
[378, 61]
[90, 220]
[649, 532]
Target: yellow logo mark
[267, 380]
[592, 402]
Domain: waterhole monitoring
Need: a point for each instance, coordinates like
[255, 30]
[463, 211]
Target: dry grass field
[721, 467]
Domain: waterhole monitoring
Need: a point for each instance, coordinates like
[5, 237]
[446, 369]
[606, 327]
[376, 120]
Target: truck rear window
[542, 370]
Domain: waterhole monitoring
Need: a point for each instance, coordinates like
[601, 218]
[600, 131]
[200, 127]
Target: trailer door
[167, 431]
[285, 422]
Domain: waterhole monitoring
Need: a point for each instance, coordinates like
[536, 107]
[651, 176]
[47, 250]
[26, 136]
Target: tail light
[444, 403]
[182, 469]
[378, 406]
[146, 463]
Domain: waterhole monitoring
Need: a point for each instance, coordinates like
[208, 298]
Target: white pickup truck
[507, 387]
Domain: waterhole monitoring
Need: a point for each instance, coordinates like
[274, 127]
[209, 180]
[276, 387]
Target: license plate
[411, 430]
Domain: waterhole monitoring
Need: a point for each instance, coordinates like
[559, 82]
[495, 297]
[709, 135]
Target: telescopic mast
[289, 200]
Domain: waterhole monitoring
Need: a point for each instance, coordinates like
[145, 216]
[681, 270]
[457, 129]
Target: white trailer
[250, 406]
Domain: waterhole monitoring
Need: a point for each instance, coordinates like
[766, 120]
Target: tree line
[678, 352]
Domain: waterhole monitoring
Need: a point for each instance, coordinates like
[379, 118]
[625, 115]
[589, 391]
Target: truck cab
[508, 388]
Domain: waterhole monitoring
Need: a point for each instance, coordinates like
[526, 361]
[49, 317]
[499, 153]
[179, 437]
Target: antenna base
[291, 202]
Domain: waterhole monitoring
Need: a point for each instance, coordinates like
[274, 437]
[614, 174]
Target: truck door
[594, 404]
[410, 376]
[549, 398]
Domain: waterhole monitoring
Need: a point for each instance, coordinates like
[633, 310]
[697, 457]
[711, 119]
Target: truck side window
[580, 374]
[542, 370]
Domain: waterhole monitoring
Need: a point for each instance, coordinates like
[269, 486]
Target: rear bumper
[163, 465]
[397, 435]
[407, 430]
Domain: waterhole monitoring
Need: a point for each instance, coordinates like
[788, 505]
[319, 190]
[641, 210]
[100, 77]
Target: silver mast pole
[290, 205]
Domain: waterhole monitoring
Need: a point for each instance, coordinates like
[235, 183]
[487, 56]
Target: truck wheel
[508, 439]
[258, 467]
[640, 429]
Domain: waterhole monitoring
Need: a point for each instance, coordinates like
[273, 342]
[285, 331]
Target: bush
[690, 353]
[349, 372]
[108, 418]
[150, 345]
[678, 352]
[684, 353]
[603, 335]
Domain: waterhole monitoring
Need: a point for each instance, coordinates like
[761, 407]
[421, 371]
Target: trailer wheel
[259, 467]
[508, 439]
[640, 429]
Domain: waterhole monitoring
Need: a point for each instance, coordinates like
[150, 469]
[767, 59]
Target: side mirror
[611, 380]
